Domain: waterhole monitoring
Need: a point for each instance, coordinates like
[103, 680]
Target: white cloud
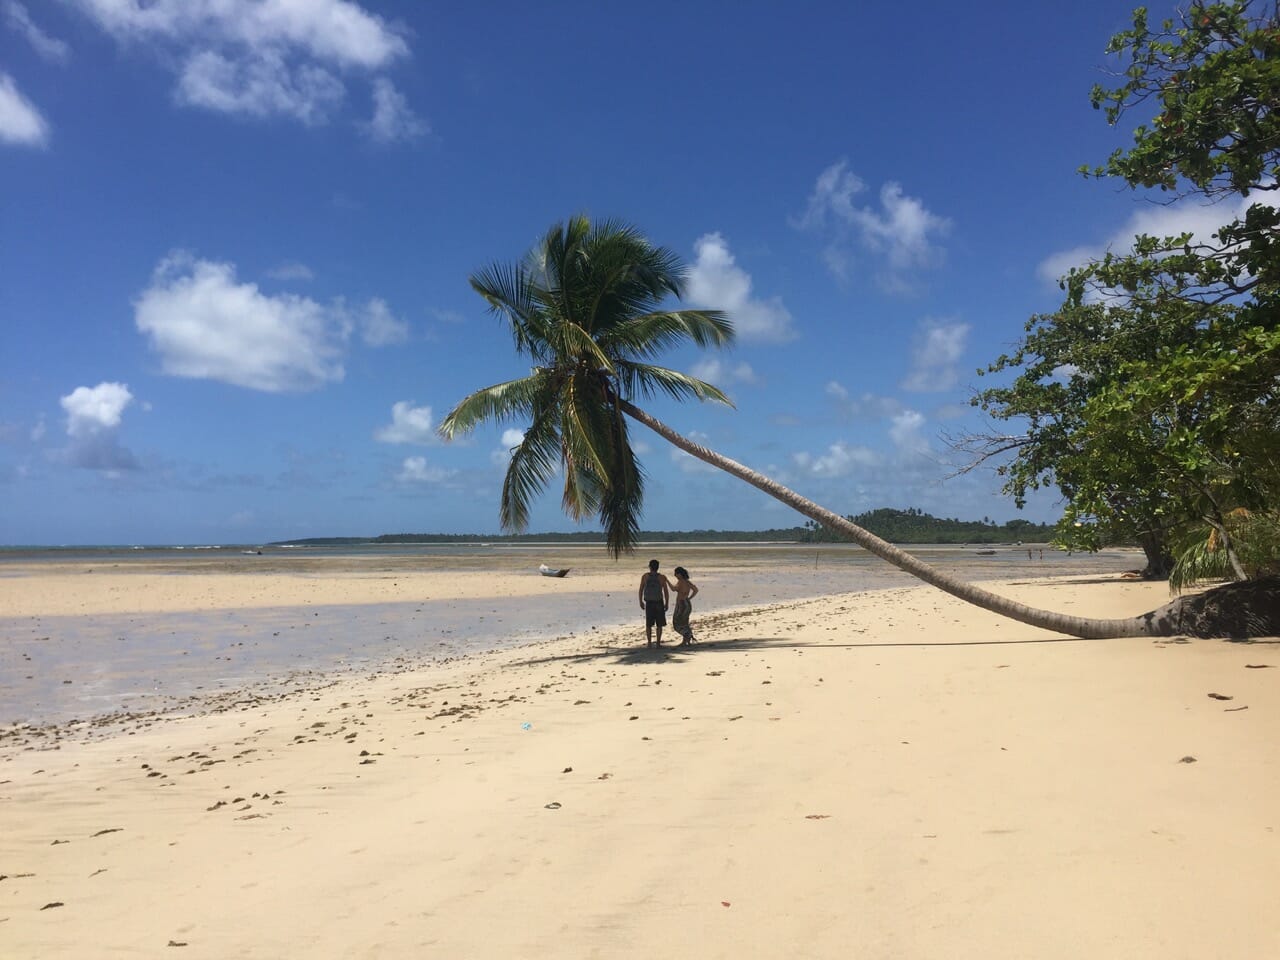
[1201, 220]
[1064, 371]
[415, 470]
[257, 57]
[833, 194]
[291, 270]
[409, 424]
[20, 122]
[92, 410]
[937, 350]
[379, 328]
[337, 31]
[840, 460]
[19, 20]
[392, 117]
[206, 325]
[901, 232]
[94, 415]
[715, 371]
[261, 85]
[866, 406]
[905, 430]
[715, 282]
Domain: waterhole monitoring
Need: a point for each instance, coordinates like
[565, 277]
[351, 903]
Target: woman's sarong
[680, 619]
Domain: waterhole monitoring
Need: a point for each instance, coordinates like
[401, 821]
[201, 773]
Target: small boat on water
[551, 571]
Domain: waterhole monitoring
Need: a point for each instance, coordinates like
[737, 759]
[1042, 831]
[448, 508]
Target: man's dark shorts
[655, 615]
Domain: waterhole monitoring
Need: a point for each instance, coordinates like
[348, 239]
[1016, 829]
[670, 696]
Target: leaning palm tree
[586, 305]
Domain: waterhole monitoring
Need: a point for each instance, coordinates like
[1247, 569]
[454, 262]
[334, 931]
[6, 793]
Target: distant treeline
[916, 526]
[896, 526]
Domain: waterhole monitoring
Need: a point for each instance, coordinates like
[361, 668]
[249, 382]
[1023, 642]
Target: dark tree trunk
[1236, 611]
[1159, 560]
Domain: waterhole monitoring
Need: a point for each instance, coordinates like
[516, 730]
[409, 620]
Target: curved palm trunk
[1163, 622]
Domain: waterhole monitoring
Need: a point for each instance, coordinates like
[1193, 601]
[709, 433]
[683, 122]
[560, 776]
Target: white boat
[552, 572]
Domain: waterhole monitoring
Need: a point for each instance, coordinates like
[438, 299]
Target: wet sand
[885, 774]
[129, 634]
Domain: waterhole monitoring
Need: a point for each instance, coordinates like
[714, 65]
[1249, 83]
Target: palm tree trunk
[1162, 622]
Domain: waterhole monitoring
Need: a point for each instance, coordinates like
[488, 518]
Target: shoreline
[88, 647]
[893, 769]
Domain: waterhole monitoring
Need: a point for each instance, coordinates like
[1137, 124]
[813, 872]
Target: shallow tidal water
[56, 669]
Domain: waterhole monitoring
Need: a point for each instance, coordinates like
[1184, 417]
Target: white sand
[884, 775]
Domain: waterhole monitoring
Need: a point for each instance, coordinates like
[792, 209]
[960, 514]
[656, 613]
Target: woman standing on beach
[686, 590]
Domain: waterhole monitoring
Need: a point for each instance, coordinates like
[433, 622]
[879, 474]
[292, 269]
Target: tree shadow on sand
[677, 653]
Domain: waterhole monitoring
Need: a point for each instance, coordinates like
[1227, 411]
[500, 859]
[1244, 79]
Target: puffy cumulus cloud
[260, 57]
[715, 371]
[409, 424]
[93, 410]
[716, 282]
[415, 471]
[839, 460]
[392, 119]
[261, 85]
[20, 122]
[206, 325]
[94, 415]
[18, 19]
[906, 430]
[901, 232]
[379, 328]
[935, 353]
[1201, 220]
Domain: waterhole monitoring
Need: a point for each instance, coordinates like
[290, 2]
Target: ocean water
[58, 669]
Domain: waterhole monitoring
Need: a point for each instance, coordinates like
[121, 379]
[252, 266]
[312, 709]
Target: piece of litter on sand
[1235, 709]
[1187, 759]
[553, 805]
[1221, 696]
[526, 726]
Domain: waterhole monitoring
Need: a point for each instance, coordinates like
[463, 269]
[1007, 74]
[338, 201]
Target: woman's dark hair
[682, 572]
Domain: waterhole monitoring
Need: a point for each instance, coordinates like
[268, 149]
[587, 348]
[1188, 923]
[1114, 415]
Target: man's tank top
[653, 588]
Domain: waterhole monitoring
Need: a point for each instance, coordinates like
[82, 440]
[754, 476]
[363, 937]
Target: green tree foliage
[1150, 395]
[916, 526]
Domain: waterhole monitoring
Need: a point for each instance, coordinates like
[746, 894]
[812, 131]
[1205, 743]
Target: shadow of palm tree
[671, 653]
[675, 653]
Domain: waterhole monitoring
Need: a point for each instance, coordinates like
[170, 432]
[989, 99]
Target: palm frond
[502, 402]
[651, 334]
[622, 502]
[647, 380]
[510, 292]
[533, 463]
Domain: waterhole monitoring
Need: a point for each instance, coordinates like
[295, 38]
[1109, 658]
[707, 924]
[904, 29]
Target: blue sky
[235, 238]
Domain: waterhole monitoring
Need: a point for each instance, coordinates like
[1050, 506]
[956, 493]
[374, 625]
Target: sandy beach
[883, 774]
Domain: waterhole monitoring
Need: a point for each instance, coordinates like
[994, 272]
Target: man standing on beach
[655, 593]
